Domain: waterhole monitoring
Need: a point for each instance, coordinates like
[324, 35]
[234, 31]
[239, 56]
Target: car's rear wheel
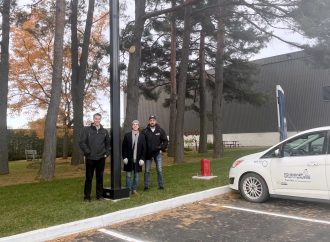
[254, 188]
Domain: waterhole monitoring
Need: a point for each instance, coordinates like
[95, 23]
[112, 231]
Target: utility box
[205, 167]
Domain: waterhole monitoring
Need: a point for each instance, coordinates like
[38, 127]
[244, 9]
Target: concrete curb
[112, 218]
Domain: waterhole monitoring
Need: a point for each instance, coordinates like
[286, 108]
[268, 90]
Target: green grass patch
[25, 207]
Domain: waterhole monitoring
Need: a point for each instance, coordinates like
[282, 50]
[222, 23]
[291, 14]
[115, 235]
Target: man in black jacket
[133, 153]
[95, 144]
[156, 144]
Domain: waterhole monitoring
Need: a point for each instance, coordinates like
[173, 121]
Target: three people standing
[138, 148]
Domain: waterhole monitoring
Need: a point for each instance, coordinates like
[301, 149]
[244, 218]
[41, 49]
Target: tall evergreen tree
[242, 42]
[313, 21]
[133, 83]
[246, 30]
[257, 17]
[202, 95]
[173, 96]
[182, 83]
[218, 81]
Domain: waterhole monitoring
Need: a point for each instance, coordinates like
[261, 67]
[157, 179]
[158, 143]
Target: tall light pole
[116, 191]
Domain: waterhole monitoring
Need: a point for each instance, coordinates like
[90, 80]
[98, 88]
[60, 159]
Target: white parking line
[278, 215]
[119, 236]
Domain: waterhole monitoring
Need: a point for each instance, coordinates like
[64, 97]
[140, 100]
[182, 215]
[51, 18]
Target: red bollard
[205, 167]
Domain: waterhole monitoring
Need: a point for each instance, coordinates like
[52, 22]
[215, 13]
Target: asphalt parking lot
[224, 218]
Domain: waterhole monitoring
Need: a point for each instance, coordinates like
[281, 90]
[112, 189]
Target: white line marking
[118, 235]
[279, 215]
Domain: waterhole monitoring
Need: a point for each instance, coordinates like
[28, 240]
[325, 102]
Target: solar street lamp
[115, 191]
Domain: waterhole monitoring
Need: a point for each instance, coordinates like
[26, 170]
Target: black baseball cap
[152, 117]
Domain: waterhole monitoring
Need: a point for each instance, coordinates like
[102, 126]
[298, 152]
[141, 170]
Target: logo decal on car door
[298, 177]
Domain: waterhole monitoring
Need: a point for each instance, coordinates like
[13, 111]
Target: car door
[300, 170]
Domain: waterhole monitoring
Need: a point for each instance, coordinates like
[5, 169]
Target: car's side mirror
[277, 153]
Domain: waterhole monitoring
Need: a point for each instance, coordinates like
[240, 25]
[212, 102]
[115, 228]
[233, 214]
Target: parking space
[224, 218]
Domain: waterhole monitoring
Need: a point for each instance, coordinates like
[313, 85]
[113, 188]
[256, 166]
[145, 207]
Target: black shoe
[146, 188]
[161, 188]
[87, 199]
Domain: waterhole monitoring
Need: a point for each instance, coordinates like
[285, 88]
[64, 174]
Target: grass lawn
[27, 204]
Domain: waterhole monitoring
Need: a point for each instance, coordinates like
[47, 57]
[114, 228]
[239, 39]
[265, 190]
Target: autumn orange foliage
[31, 68]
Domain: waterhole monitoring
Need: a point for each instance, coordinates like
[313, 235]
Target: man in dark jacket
[133, 153]
[156, 144]
[95, 144]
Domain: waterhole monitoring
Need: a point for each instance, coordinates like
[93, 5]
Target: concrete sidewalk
[112, 218]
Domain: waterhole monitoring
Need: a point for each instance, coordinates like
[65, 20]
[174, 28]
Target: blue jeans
[159, 160]
[132, 185]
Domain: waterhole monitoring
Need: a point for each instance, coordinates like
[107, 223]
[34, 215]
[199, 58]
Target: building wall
[302, 83]
[256, 139]
[245, 139]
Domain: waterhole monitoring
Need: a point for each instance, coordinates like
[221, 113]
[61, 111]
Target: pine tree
[312, 20]
[242, 43]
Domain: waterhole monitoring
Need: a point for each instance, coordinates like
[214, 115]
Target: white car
[298, 167]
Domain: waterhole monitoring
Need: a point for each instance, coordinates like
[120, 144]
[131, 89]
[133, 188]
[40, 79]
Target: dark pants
[98, 166]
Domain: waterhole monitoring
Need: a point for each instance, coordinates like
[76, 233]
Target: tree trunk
[179, 125]
[75, 88]
[65, 143]
[171, 147]
[134, 67]
[47, 168]
[218, 89]
[202, 95]
[4, 68]
[66, 125]
[78, 79]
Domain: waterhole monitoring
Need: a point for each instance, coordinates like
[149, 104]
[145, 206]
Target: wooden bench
[31, 155]
[231, 144]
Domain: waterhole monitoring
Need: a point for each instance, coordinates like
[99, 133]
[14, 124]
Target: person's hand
[141, 162]
[125, 161]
